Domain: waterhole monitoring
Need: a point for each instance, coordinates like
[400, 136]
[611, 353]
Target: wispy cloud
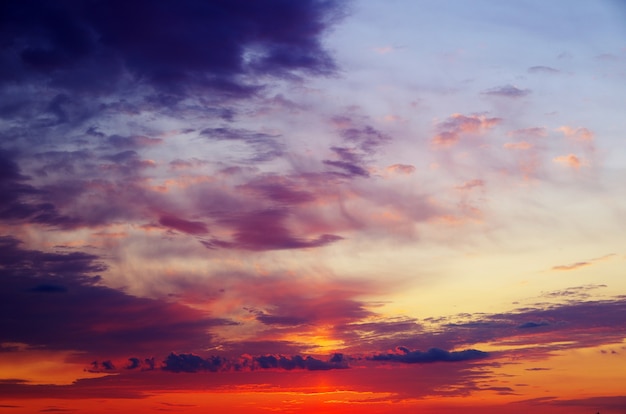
[507, 91]
[542, 69]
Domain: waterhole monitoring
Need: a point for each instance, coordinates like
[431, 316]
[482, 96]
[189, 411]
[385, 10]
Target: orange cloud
[578, 265]
[572, 266]
[570, 160]
[404, 169]
[457, 124]
[578, 134]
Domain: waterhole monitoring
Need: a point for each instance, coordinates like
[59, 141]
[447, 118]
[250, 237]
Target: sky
[313, 206]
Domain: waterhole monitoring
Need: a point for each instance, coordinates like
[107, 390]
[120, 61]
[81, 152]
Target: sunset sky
[313, 206]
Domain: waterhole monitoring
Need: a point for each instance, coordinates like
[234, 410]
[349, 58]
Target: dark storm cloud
[194, 363]
[432, 355]
[46, 294]
[171, 46]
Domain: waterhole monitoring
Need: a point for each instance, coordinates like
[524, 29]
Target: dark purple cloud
[267, 230]
[578, 323]
[361, 141]
[55, 302]
[172, 47]
[407, 356]
[194, 363]
[349, 169]
[186, 226]
[278, 189]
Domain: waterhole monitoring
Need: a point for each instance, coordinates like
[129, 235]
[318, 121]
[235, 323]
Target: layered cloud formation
[295, 202]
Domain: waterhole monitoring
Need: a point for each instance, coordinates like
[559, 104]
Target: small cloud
[578, 134]
[578, 265]
[534, 132]
[542, 69]
[404, 169]
[189, 227]
[528, 325]
[507, 91]
[518, 145]
[570, 160]
[572, 266]
[451, 129]
[468, 185]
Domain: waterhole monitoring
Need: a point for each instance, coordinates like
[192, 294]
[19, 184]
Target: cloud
[533, 132]
[361, 142]
[349, 169]
[578, 134]
[507, 91]
[579, 293]
[403, 169]
[468, 185]
[279, 189]
[194, 363]
[579, 322]
[190, 45]
[531, 325]
[451, 130]
[190, 227]
[44, 290]
[518, 145]
[570, 160]
[572, 266]
[542, 69]
[266, 230]
[407, 356]
[265, 147]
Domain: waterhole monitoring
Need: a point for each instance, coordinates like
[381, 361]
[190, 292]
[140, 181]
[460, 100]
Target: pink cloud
[468, 185]
[518, 145]
[450, 131]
